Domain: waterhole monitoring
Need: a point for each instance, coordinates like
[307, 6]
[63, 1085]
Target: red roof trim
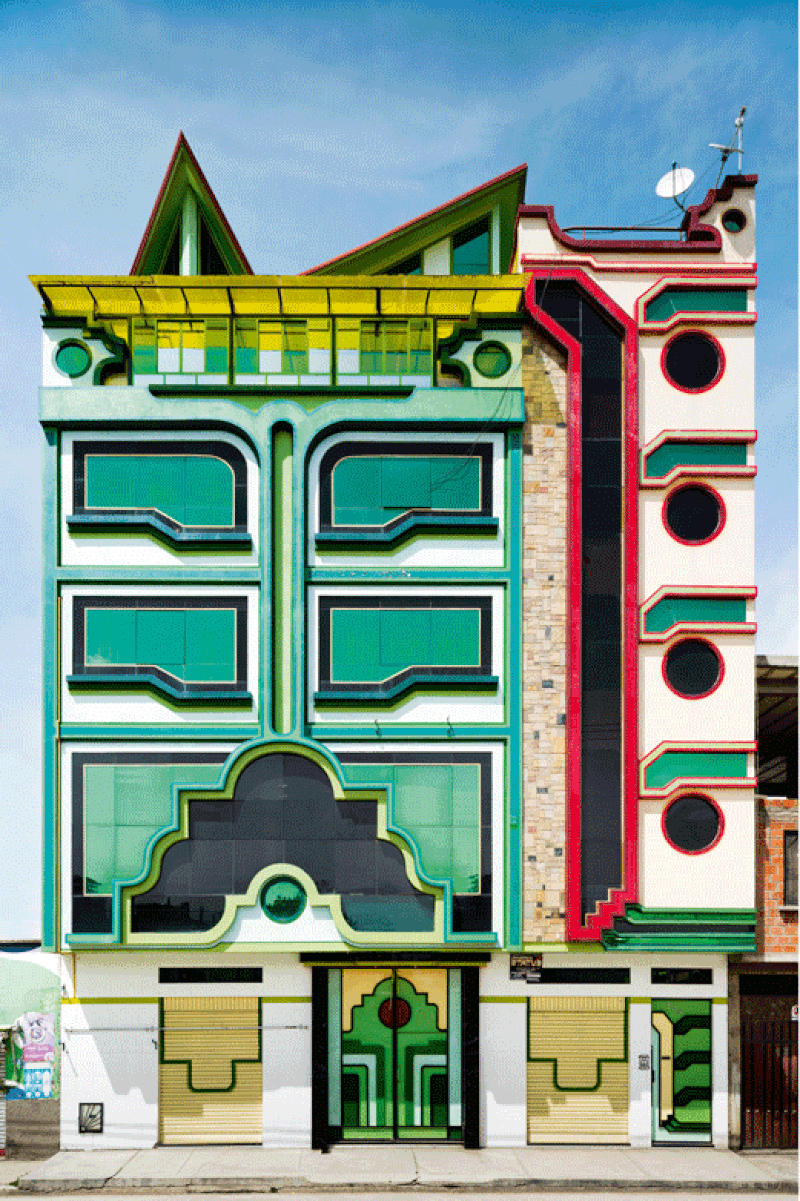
[698, 237]
[182, 144]
[484, 187]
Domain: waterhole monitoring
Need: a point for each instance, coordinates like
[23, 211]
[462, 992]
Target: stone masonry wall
[776, 929]
[544, 662]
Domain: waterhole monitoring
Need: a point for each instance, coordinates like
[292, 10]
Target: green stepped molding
[695, 300]
[685, 453]
[695, 610]
[724, 930]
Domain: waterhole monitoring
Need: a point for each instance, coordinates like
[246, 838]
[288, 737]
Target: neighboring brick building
[763, 983]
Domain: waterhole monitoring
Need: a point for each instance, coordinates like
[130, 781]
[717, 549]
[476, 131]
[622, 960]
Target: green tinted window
[395, 348]
[699, 609]
[695, 300]
[192, 490]
[190, 347]
[371, 645]
[194, 645]
[373, 491]
[471, 250]
[124, 806]
[439, 806]
[695, 454]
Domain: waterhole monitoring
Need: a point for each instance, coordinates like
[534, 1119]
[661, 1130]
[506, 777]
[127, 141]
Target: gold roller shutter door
[577, 1070]
[210, 1076]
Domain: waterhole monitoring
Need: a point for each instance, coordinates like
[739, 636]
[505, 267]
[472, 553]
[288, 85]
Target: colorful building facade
[398, 659]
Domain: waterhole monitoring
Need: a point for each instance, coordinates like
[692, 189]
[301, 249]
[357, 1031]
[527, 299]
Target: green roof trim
[727, 931]
[385, 254]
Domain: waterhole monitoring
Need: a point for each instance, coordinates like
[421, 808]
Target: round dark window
[691, 823]
[693, 514]
[492, 359]
[734, 221]
[692, 667]
[73, 358]
[692, 362]
[283, 899]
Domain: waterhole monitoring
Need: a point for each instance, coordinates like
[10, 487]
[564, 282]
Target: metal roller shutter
[210, 1075]
[577, 1070]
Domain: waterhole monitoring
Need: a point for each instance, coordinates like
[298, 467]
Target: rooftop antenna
[735, 145]
[672, 185]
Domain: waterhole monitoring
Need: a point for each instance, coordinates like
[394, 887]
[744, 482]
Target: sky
[321, 126]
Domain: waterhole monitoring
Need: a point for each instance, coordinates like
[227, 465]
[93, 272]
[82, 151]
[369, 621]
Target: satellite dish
[675, 182]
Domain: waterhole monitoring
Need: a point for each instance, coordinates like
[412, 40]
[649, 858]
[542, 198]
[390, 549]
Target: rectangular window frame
[790, 869]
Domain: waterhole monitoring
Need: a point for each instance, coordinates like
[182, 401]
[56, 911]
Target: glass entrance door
[395, 1053]
[681, 1048]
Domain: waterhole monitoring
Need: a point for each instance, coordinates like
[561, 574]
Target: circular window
[694, 514]
[734, 221]
[693, 362]
[692, 824]
[73, 358]
[692, 668]
[492, 359]
[395, 1014]
[283, 900]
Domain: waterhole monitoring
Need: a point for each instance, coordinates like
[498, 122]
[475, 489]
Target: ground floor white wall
[110, 1034]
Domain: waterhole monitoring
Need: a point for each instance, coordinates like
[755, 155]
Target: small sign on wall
[526, 967]
[644, 1063]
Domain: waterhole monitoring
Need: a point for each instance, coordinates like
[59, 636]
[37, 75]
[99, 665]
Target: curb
[292, 1184]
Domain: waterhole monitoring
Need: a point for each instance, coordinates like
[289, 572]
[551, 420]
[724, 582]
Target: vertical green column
[335, 1046]
[190, 252]
[282, 557]
[51, 676]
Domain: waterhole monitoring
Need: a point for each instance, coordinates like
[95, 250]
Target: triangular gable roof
[184, 172]
[387, 252]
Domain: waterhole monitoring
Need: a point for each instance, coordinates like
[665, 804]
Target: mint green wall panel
[208, 490]
[694, 454]
[405, 639]
[466, 794]
[698, 609]
[424, 793]
[695, 300]
[110, 636]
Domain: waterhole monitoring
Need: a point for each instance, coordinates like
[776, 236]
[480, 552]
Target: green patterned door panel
[395, 1061]
[681, 1045]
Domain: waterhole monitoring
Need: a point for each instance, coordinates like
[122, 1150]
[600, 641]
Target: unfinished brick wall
[544, 608]
[776, 929]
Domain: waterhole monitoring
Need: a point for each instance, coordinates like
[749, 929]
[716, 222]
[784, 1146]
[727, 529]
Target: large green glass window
[166, 346]
[695, 300]
[192, 490]
[124, 806]
[373, 645]
[471, 250]
[190, 645]
[395, 348]
[372, 490]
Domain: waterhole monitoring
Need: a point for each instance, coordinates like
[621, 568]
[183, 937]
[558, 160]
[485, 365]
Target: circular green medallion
[283, 899]
[492, 359]
[73, 358]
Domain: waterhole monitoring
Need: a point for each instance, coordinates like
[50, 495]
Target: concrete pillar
[639, 1067]
[719, 1072]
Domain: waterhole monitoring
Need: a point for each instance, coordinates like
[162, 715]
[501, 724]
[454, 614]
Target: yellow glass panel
[169, 334]
[245, 333]
[270, 334]
[348, 334]
[193, 334]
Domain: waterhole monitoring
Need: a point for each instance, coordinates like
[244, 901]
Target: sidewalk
[260, 1169]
